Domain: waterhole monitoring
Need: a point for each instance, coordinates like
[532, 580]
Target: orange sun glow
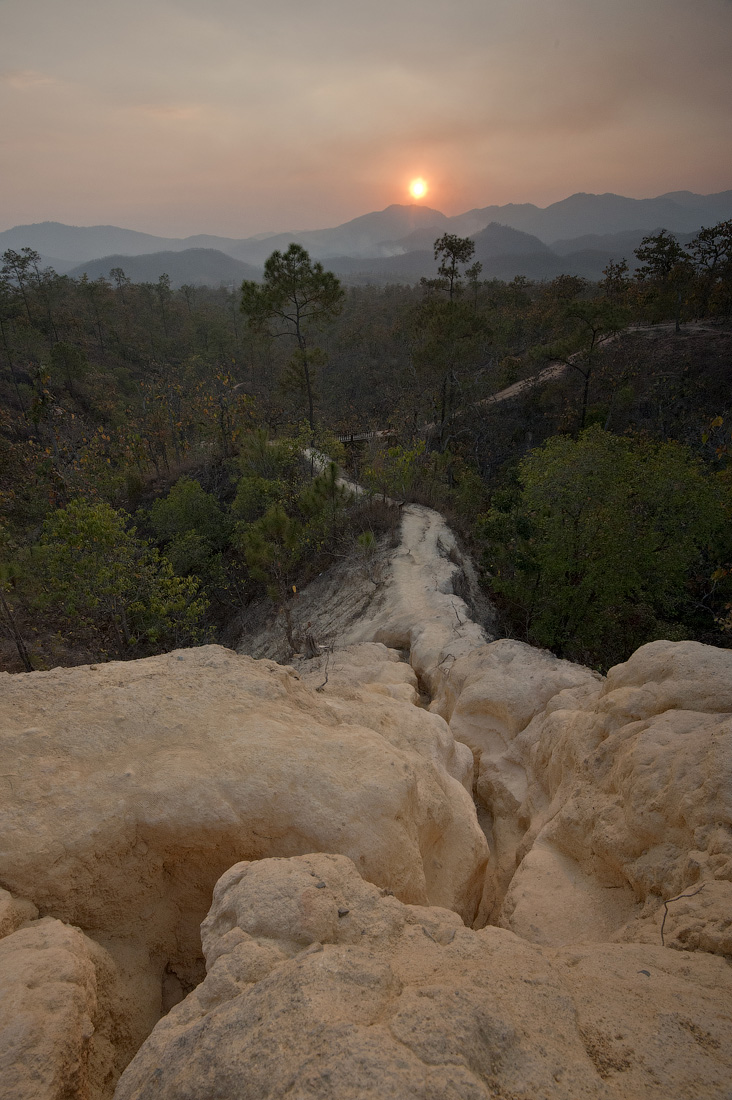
[418, 188]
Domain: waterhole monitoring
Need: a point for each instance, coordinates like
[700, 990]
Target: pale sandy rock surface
[492, 694]
[621, 793]
[489, 696]
[422, 608]
[14, 912]
[362, 681]
[130, 787]
[320, 986]
[128, 760]
[59, 1038]
[421, 596]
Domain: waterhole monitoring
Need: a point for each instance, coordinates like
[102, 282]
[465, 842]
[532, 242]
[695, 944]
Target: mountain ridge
[576, 235]
[575, 216]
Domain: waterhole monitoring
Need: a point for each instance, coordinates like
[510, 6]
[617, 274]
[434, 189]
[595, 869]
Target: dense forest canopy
[152, 478]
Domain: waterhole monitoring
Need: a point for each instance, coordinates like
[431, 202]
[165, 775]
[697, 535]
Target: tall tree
[450, 332]
[665, 264]
[272, 547]
[616, 282]
[18, 266]
[452, 251]
[588, 324]
[296, 297]
[711, 252]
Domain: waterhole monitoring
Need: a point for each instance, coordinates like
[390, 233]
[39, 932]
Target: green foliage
[594, 554]
[324, 501]
[450, 337]
[711, 253]
[187, 507]
[300, 373]
[325, 493]
[660, 254]
[366, 542]
[255, 496]
[450, 333]
[565, 288]
[439, 479]
[585, 324]
[668, 272]
[115, 591]
[396, 471]
[295, 293]
[9, 576]
[110, 389]
[272, 547]
[452, 252]
[261, 456]
[69, 363]
[616, 282]
[193, 531]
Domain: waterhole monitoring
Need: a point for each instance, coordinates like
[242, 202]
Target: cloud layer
[236, 117]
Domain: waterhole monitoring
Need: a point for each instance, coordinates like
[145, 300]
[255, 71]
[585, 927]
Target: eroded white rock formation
[319, 986]
[607, 797]
[131, 787]
[416, 597]
[603, 862]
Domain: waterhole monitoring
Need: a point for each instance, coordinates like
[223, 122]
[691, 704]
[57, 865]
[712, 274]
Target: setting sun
[418, 188]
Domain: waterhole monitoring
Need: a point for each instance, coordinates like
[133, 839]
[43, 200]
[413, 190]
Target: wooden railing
[359, 437]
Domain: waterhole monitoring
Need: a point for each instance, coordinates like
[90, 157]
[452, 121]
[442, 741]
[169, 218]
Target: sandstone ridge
[524, 884]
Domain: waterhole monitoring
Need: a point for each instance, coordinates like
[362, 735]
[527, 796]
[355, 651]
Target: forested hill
[197, 266]
[151, 480]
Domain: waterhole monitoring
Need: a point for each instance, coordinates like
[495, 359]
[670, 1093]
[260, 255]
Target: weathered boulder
[14, 912]
[59, 1036]
[605, 799]
[130, 787]
[318, 985]
[489, 696]
[362, 680]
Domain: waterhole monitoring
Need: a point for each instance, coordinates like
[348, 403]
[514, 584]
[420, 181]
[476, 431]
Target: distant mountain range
[577, 235]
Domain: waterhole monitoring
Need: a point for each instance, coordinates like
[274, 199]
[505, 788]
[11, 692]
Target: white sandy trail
[419, 608]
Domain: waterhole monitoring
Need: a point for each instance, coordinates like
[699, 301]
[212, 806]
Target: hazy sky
[241, 116]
